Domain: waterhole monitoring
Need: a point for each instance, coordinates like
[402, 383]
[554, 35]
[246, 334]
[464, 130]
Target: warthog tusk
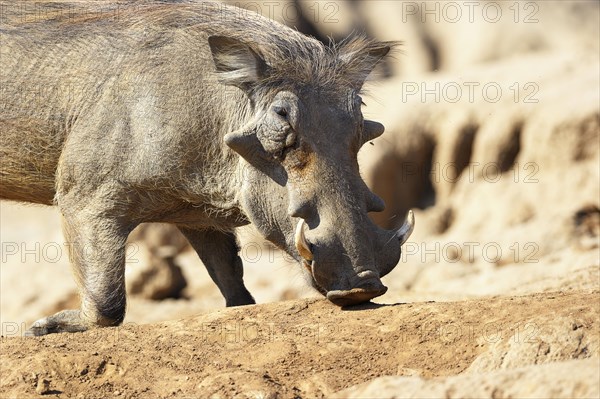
[407, 228]
[301, 243]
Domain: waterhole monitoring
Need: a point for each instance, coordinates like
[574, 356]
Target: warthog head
[302, 187]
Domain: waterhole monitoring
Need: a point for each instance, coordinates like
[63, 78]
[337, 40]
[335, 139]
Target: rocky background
[492, 115]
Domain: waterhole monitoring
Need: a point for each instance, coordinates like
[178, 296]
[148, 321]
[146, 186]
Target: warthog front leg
[97, 252]
[219, 252]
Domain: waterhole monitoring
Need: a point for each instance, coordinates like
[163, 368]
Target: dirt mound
[504, 131]
[548, 381]
[306, 348]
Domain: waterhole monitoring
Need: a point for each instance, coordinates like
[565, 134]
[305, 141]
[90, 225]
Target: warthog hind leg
[219, 252]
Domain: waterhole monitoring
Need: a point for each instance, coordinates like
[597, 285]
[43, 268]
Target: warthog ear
[236, 62]
[371, 130]
[360, 55]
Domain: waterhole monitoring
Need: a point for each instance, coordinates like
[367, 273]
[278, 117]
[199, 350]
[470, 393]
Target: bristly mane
[308, 62]
[294, 58]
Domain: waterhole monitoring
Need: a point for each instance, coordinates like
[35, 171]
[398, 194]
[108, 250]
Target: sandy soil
[304, 348]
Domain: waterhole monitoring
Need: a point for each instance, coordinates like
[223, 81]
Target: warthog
[194, 114]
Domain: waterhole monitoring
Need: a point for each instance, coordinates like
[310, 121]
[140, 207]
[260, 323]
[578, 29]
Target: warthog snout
[336, 277]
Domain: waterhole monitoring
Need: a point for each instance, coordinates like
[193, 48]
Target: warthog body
[194, 114]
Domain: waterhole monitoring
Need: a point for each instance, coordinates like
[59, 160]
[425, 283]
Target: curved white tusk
[301, 243]
[407, 228]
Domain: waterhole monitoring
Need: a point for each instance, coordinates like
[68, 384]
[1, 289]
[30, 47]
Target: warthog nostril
[373, 284]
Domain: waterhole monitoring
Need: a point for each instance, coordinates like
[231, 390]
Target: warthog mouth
[308, 265]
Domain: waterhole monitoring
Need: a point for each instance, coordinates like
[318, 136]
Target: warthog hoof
[63, 321]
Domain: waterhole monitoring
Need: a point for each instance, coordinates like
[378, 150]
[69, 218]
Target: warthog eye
[281, 111]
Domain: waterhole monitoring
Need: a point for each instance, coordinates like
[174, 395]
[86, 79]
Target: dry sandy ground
[311, 348]
[539, 339]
